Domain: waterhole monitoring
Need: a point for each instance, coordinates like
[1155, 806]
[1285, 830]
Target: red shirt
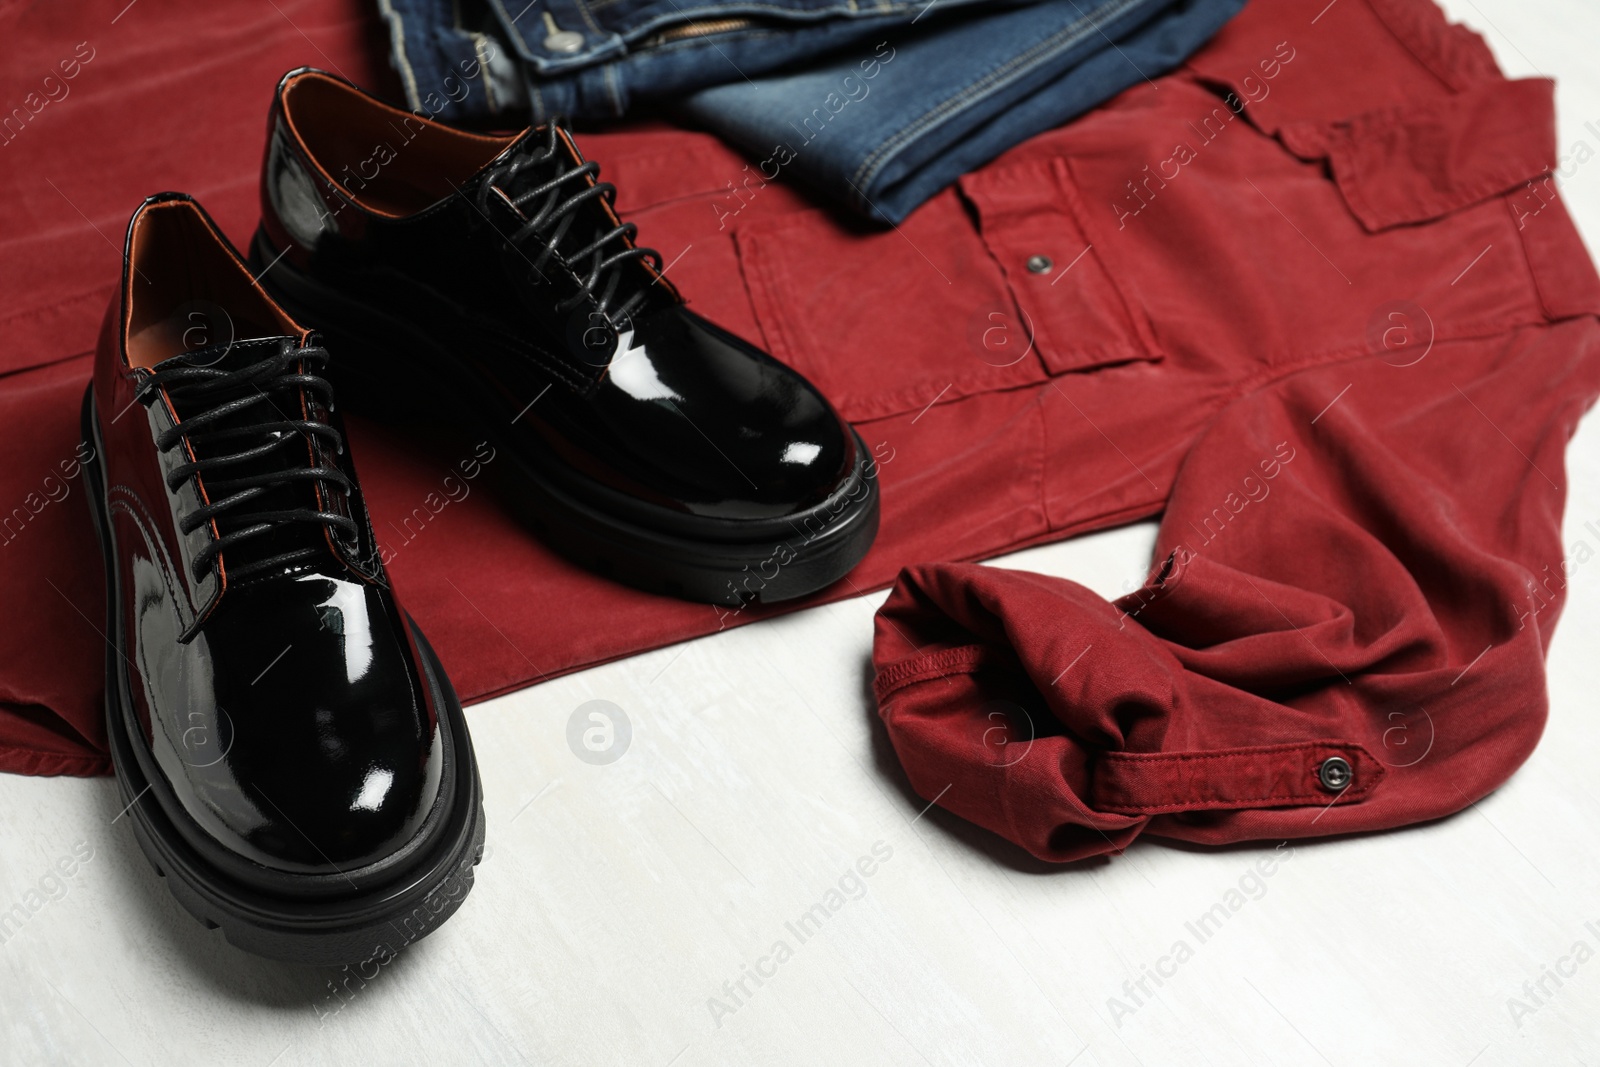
[1337, 325]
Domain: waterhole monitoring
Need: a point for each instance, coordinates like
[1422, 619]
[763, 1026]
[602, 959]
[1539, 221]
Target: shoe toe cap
[322, 760]
[712, 425]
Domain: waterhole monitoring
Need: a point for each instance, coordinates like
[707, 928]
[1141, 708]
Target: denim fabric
[601, 58]
[873, 108]
[882, 133]
[453, 68]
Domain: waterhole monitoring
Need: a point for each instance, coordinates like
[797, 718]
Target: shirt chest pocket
[992, 286]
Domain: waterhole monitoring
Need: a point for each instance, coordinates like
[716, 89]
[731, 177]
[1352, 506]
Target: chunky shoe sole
[716, 561]
[354, 916]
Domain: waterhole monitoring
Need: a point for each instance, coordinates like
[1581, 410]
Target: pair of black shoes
[295, 760]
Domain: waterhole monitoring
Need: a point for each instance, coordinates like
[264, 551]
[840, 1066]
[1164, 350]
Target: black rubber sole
[377, 923]
[373, 353]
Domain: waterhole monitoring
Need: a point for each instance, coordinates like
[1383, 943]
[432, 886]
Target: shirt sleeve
[1356, 579]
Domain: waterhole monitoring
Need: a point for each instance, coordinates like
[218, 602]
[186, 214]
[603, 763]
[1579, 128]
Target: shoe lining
[388, 161]
[186, 292]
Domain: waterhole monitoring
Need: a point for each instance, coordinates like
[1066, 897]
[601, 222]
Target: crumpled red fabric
[1359, 560]
[1386, 598]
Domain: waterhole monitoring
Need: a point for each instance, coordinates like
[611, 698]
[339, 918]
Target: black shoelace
[210, 403]
[601, 263]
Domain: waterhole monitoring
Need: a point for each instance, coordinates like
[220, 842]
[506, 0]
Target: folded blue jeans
[874, 109]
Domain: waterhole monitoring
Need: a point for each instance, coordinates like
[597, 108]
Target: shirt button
[1335, 773]
[565, 41]
[1040, 264]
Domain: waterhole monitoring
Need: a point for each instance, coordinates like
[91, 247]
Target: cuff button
[1335, 773]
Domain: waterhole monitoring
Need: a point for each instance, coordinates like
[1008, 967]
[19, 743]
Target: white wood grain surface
[619, 899]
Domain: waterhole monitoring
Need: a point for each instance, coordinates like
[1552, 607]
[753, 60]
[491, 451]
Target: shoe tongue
[231, 354]
[590, 219]
[533, 169]
[530, 143]
[280, 405]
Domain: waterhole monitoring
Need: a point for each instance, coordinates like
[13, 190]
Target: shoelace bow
[603, 274]
[206, 396]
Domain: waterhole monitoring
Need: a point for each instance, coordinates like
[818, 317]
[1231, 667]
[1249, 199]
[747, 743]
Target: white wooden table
[624, 906]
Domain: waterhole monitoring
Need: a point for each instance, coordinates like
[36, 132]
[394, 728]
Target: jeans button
[1335, 773]
[564, 41]
[1040, 264]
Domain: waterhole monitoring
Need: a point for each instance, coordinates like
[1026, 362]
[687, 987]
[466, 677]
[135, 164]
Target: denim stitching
[1012, 68]
[781, 11]
[615, 90]
[397, 34]
[1015, 67]
[1038, 53]
[478, 40]
[583, 13]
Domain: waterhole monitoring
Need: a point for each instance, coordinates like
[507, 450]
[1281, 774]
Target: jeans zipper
[703, 28]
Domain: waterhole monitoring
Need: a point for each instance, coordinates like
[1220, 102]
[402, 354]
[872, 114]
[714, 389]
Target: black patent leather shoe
[293, 757]
[486, 281]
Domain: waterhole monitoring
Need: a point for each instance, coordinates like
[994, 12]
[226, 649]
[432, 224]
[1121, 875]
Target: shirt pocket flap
[885, 321]
[1423, 161]
[1031, 221]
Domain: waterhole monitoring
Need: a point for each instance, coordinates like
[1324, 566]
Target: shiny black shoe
[485, 280]
[292, 756]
